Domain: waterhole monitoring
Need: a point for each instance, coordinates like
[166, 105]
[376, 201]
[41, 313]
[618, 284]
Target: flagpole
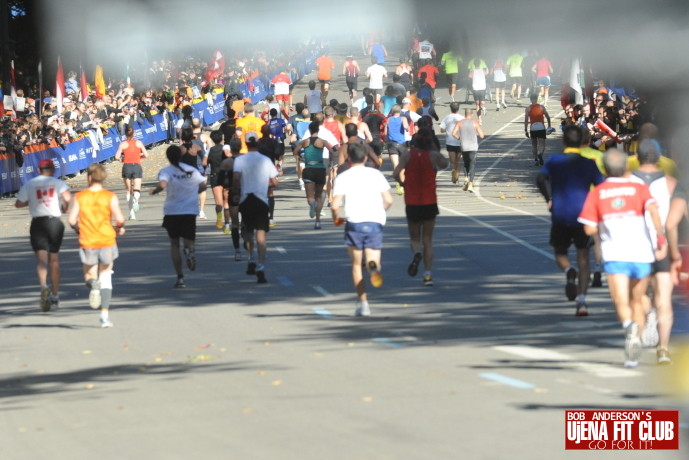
[40, 88]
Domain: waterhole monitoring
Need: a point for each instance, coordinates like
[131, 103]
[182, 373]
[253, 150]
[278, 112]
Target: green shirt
[514, 63]
[451, 62]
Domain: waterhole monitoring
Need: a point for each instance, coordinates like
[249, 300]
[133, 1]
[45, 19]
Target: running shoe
[399, 189]
[427, 280]
[251, 268]
[191, 258]
[219, 221]
[45, 295]
[323, 213]
[582, 309]
[597, 280]
[53, 302]
[466, 185]
[649, 336]
[135, 205]
[317, 225]
[261, 274]
[237, 256]
[226, 230]
[375, 276]
[571, 284]
[663, 356]
[535, 162]
[272, 223]
[202, 215]
[470, 187]
[497, 108]
[540, 160]
[132, 215]
[413, 268]
[362, 309]
[312, 209]
[180, 283]
[301, 185]
[94, 295]
[105, 323]
[455, 176]
[504, 106]
[632, 346]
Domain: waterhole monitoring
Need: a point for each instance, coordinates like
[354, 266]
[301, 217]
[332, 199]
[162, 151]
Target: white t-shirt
[362, 190]
[448, 124]
[256, 171]
[478, 82]
[43, 195]
[181, 193]
[376, 73]
[425, 50]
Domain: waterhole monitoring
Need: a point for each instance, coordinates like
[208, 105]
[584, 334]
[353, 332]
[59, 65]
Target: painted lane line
[284, 281]
[323, 312]
[508, 235]
[281, 250]
[507, 380]
[321, 291]
[389, 343]
[542, 354]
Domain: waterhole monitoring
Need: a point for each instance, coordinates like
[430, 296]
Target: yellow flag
[99, 82]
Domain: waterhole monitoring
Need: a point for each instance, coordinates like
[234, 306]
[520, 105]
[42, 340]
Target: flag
[575, 80]
[13, 85]
[59, 85]
[83, 85]
[39, 99]
[2, 104]
[129, 81]
[216, 66]
[99, 82]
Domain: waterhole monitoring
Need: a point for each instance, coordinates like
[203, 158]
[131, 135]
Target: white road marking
[281, 250]
[542, 354]
[321, 291]
[284, 281]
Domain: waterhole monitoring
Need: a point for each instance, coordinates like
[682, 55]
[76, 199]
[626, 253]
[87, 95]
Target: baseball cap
[251, 135]
[406, 100]
[46, 164]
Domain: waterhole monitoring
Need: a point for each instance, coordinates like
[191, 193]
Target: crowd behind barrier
[153, 123]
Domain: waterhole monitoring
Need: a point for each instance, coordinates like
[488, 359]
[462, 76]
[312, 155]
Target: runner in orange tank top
[416, 171]
[535, 116]
[91, 215]
[130, 152]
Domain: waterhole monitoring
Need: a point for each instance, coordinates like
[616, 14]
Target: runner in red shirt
[431, 74]
[416, 172]
[543, 69]
[325, 65]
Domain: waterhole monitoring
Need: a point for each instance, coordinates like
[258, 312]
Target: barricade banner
[214, 112]
[9, 174]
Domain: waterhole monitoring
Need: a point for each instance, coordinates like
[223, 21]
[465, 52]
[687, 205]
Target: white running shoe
[105, 323]
[202, 215]
[135, 205]
[94, 295]
[632, 346]
[362, 309]
[301, 184]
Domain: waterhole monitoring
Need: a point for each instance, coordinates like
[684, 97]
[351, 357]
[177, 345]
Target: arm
[661, 249]
[547, 116]
[590, 230]
[73, 216]
[479, 130]
[118, 154]
[160, 186]
[543, 183]
[236, 187]
[526, 122]
[456, 130]
[116, 213]
[367, 132]
[678, 207]
[20, 204]
[144, 152]
[387, 199]
[398, 173]
[336, 205]
[439, 161]
[66, 199]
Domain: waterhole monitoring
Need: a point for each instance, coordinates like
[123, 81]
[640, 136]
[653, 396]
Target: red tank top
[419, 179]
[334, 127]
[536, 113]
[132, 154]
[351, 69]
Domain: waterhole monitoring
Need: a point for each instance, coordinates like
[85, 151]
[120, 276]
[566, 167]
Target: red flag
[216, 66]
[83, 85]
[13, 85]
[59, 85]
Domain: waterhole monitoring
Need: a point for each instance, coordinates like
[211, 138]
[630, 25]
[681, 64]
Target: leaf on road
[200, 358]
[276, 383]
[202, 347]
[367, 399]
[88, 386]
[86, 352]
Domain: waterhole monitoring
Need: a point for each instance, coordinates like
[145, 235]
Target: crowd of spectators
[163, 85]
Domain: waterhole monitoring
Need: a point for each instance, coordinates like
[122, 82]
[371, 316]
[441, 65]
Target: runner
[366, 196]
[452, 144]
[270, 148]
[378, 51]
[395, 130]
[376, 126]
[468, 131]
[131, 151]
[543, 69]
[249, 123]
[351, 71]
[534, 127]
[91, 215]
[253, 174]
[314, 173]
[477, 73]
[204, 142]
[426, 51]
[376, 73]
[47, 198]
[231, 211]
[281, 83]
[416, 172]
[192, 155]
[661, 186]
[299, 124]
[215, 157]
[615, 210]
[564, 182]
[406, 74]
[313, 99]
[182, 182]
[514, 64]
[352, 137]
[324, 65]
[279, 130]
[499, 82]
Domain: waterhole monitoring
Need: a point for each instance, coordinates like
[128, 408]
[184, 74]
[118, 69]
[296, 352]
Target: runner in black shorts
[46, 198]
[215, 157]
[562, 236]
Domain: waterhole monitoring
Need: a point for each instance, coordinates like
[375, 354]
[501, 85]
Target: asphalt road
[480, 366]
